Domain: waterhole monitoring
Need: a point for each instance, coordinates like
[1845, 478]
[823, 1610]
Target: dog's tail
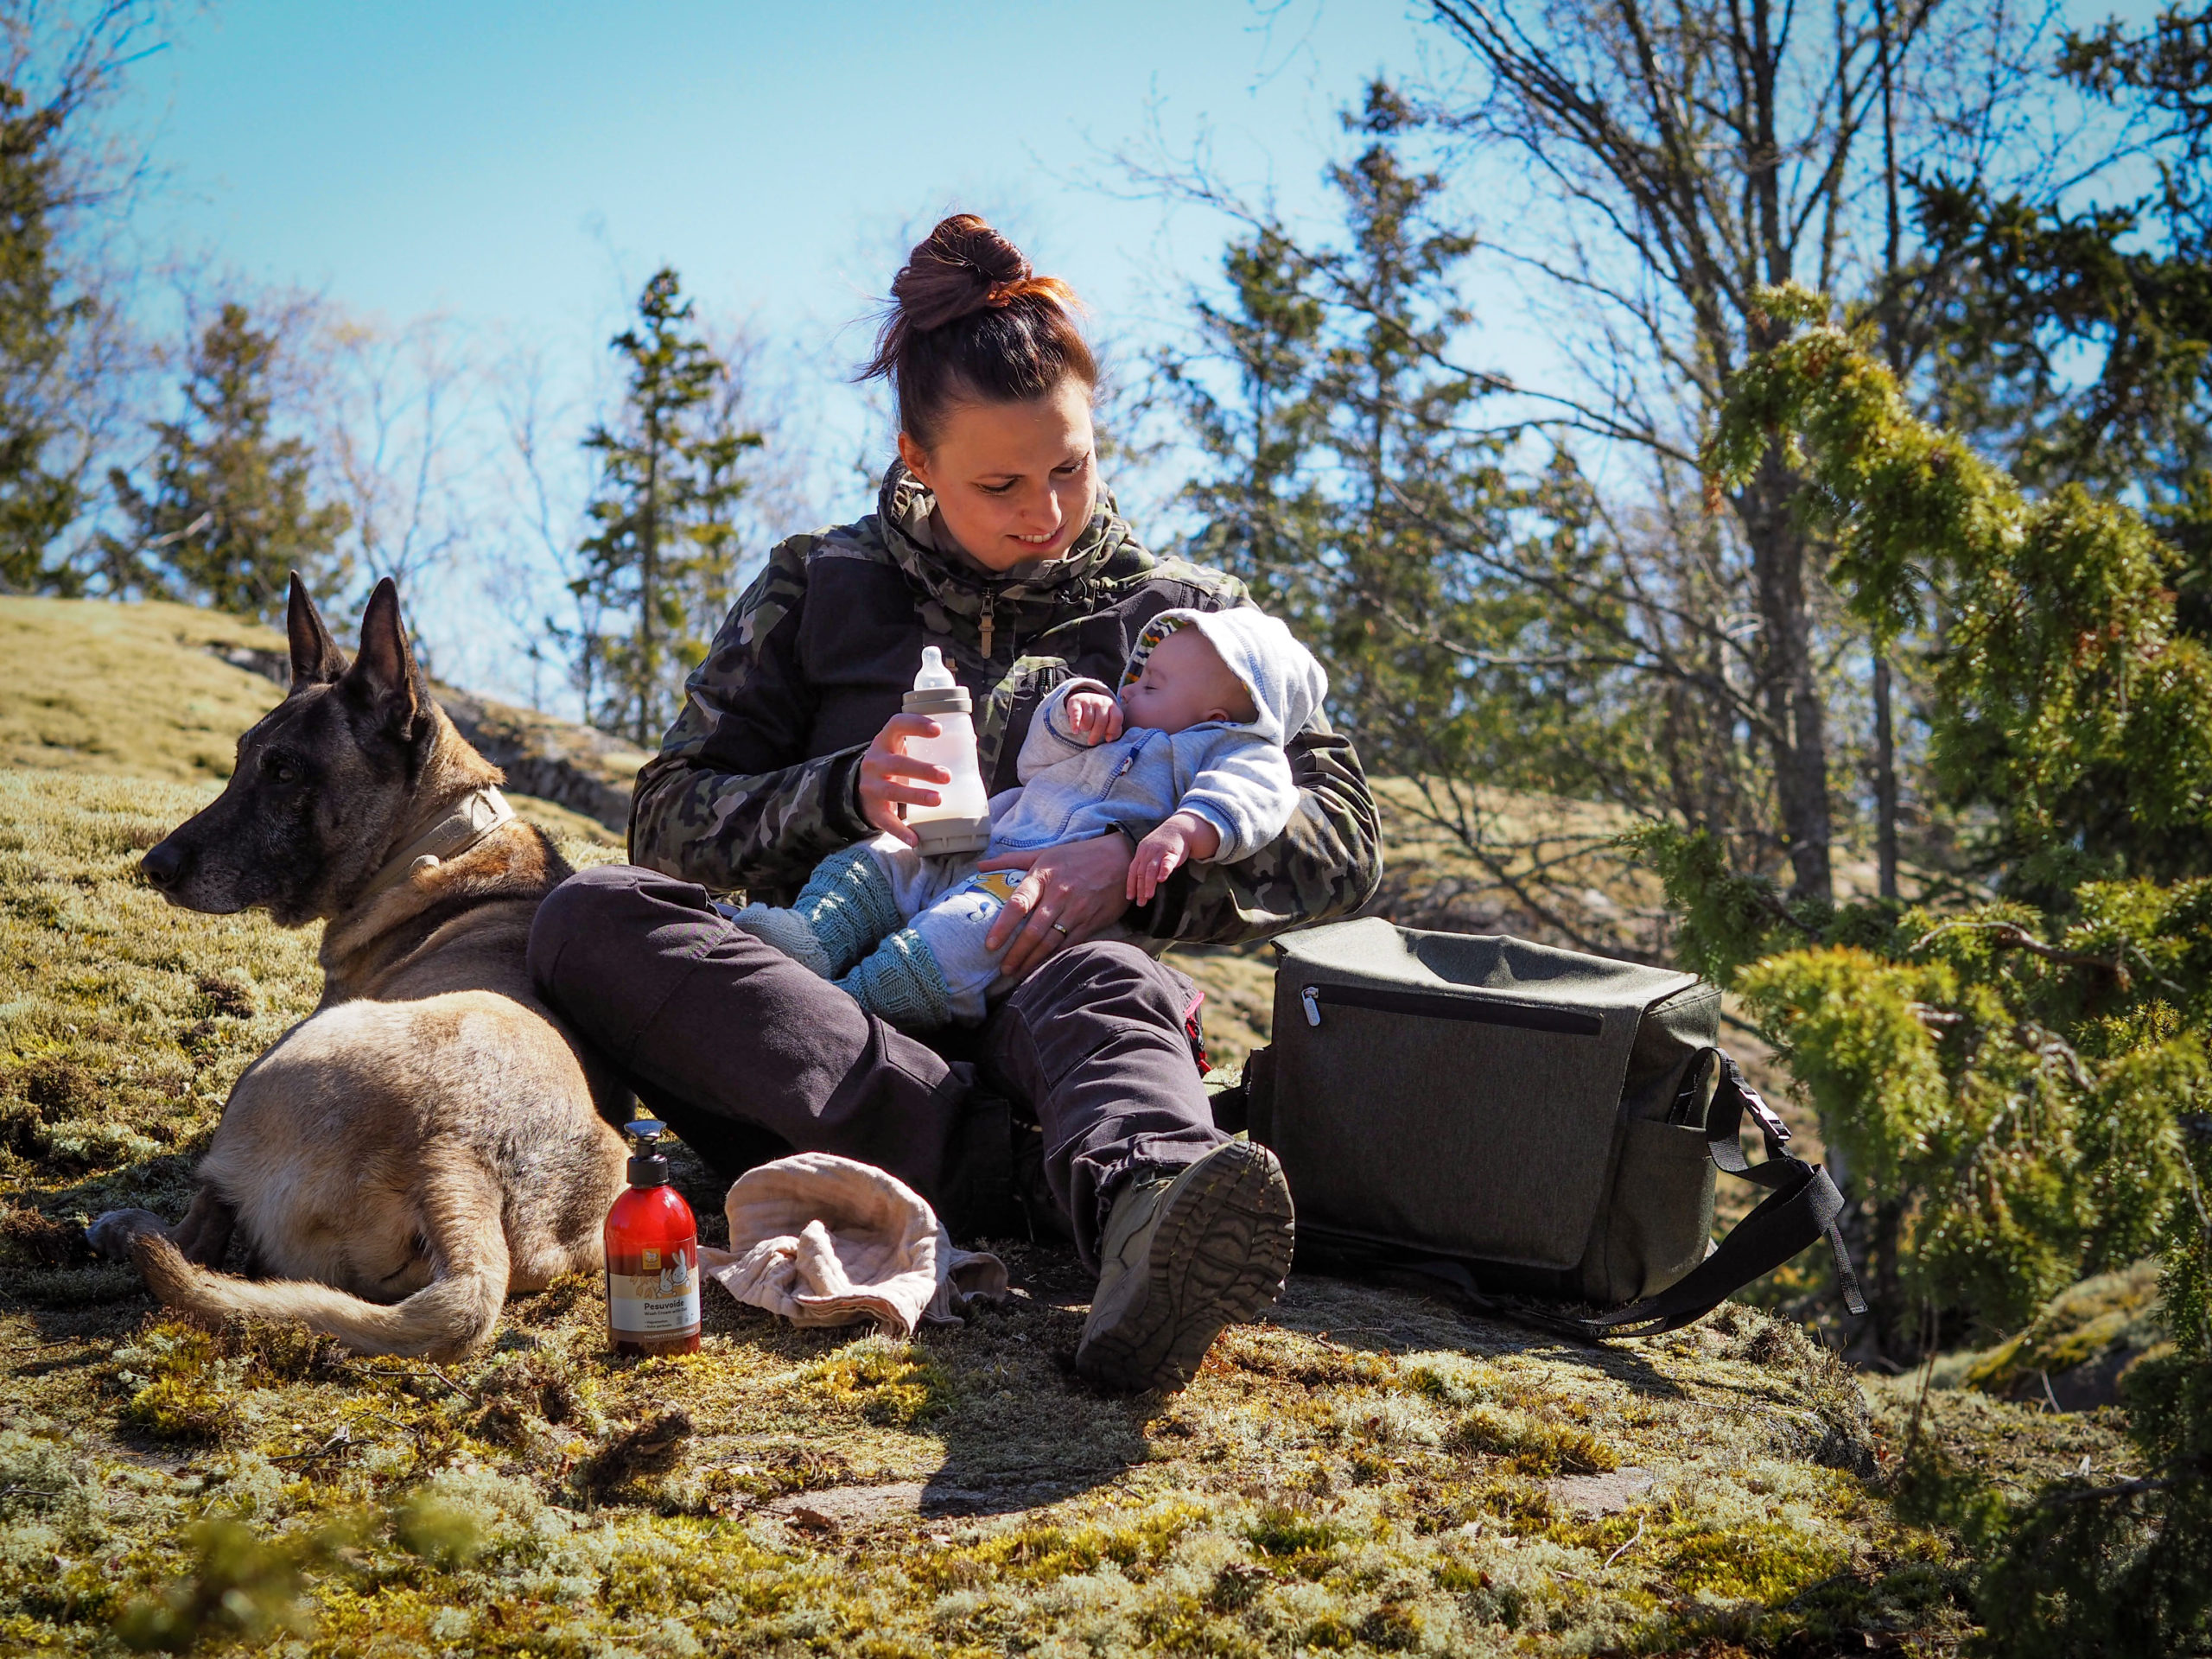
[452, 1314]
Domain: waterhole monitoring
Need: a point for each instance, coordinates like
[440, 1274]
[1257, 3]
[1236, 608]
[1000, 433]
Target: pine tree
[1397, 585]
[2023, 1083]
[1262, 509]
[1344, 486]
[229, 510]
[1334, 446]
[663, 548]
[36, 502]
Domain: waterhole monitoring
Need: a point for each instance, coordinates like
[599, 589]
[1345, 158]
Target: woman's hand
[1075, 890]
[889, 776]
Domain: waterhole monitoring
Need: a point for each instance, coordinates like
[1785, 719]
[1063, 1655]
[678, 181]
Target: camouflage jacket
[756, 780]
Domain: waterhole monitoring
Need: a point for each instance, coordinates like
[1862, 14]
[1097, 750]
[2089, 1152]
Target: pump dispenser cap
[648, 1167]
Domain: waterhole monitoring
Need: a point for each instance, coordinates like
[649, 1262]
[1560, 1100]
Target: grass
[125, 689]
[1366, 1471]
[145, 691]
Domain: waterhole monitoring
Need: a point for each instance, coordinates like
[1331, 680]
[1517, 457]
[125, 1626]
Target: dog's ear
[383, 675]
[316, 660]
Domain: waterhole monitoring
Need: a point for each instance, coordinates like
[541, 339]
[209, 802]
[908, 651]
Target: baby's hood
[1286, 683]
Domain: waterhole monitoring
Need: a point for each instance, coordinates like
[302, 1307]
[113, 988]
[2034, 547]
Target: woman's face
[1012, 482]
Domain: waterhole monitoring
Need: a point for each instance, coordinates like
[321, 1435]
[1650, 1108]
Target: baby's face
[1185, 682]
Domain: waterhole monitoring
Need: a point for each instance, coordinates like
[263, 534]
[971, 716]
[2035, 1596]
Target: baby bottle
[653, 1257]
[961, 821]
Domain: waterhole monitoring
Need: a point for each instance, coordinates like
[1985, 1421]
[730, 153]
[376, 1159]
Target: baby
[1189, 762]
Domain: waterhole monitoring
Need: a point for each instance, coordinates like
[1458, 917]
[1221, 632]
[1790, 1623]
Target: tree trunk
[1791, 688]
[1885, 783]
[648, 550]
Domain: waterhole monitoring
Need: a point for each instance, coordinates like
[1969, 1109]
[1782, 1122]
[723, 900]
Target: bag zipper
[1484, 1011]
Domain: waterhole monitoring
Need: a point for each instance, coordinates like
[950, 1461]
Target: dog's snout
[164, 865]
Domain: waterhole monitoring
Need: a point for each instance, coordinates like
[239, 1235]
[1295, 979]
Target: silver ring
[1059, 927]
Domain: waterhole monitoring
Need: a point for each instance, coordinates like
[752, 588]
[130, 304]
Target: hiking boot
[1183, 1256]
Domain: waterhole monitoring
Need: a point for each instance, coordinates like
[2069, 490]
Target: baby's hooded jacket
[1235, 776]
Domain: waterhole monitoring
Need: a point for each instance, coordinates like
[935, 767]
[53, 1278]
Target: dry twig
[1625, 1547]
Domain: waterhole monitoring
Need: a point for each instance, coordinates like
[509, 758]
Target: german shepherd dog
[430, 1138]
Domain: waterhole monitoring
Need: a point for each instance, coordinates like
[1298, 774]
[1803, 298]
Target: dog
[431, 1138]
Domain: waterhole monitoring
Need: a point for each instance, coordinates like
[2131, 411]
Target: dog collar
[475, 815]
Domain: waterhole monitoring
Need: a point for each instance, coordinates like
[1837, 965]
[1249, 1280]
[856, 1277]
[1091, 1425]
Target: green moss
[1369, 1467]
[241, 1584]
[1042, 1555]
[442, 1533]
[182, 1409]
[1284, 1530]
[1458, 1577]
[1523, 1506]
[2113, 1315]
[1535, 1446]
[1391, 1627]
[892, 1384]
[1763, 1564]
[185, 1394]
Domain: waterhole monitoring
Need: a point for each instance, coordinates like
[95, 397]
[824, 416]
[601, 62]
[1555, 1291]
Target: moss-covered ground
[1365, 1470]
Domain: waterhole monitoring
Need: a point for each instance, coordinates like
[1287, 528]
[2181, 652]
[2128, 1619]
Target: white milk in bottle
[961, 821]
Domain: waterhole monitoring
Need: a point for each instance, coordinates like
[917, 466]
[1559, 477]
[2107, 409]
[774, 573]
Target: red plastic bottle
[653, 1257]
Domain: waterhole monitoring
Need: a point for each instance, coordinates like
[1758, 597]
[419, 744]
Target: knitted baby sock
[901, 981]
[787, 931]
[849, 905]
[846, 906]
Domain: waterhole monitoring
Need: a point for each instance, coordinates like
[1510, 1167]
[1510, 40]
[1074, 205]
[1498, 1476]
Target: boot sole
[1217, 1257]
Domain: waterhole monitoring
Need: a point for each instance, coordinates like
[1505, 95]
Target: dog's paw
[112, 1233]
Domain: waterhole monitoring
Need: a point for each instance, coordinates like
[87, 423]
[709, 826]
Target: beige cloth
[824, 1240]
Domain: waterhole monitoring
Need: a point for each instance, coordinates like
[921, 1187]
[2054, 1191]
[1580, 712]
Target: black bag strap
[1800, 1208]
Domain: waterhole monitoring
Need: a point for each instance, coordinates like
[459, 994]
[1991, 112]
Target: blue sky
[530, 165]
[523, 168]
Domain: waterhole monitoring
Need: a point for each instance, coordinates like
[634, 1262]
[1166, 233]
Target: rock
[2076, 1351]
[849, 1506]
[838, 1506]
[1607, 1494]
[579, 767]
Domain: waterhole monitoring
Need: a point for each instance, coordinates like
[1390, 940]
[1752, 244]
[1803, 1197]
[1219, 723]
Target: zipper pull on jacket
[990, 602]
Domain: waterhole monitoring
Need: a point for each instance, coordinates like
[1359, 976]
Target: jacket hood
[1025, 596]
[1287, 682]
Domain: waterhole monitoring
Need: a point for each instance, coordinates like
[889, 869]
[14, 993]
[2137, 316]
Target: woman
[993, 541]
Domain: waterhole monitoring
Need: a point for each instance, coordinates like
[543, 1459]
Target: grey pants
[749, 1055]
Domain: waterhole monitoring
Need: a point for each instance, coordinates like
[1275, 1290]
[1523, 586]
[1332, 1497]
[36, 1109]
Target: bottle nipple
[935, 675]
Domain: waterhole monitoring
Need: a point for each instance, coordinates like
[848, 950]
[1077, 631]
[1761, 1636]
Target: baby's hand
[1183, 837]
[1094, 717]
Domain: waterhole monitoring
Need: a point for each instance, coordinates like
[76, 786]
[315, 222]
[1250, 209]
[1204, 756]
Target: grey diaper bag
[1519, 1121]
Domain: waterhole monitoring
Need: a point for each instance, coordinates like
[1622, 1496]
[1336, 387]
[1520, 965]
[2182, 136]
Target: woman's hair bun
[954, 271]
[968, 319]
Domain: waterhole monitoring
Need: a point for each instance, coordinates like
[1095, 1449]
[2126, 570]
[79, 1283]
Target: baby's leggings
[902, 933]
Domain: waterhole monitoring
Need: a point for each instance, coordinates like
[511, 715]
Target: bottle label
[660, 1297]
